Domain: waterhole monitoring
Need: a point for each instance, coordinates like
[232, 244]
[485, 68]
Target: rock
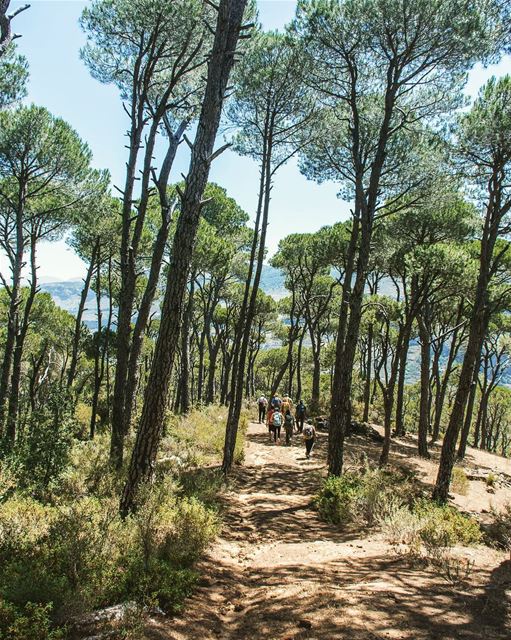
[365, 430]
[305, 624]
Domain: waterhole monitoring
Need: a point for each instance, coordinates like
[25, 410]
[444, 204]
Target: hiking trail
[278, 572]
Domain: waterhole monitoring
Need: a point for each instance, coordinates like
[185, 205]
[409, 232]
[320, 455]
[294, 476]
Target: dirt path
[278, 572]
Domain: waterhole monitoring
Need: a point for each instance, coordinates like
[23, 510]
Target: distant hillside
[66, 293]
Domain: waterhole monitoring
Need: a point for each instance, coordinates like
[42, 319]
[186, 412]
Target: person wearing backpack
[262, 403]
[289, 423]
[300, 412]
[309, 436]
[276, 402]
[276, 424]
[287, 404]
[269, 418]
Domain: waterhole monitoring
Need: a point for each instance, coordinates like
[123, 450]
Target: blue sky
[51, 39]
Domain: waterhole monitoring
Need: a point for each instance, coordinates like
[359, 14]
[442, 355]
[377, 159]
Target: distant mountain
[66, 293]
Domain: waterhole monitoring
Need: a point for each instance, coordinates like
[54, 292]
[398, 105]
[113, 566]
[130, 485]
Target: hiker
[309, 436]
[276, 402]
[269, 418]
[300, 412]
[289, 423]
[287, 404]
[275, 425]
[262, 403]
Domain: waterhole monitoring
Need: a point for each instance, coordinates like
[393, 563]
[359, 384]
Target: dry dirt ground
[278, 572]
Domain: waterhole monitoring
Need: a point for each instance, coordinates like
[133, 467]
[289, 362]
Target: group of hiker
[278, 414]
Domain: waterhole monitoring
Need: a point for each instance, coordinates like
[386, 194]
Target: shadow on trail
[284, 574]
[349, 599]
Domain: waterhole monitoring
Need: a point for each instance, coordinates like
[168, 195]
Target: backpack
[288, 420]
[276, 403]
[300, 409]
[277, 419]
[308, 433]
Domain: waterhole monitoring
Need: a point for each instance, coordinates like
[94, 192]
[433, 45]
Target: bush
[498, 532]
[337, 498]
[198, 438]
[459, 482]
[42, 454]
[401, 526]
[30, 623]
[89, 471]
[445, 526]
[366, 498]
[82, 556]
[193, 528]
[75, 553]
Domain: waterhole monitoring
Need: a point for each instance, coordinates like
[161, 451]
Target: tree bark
[425, 344]
[230, 15]
[12, 411]
[369, 367]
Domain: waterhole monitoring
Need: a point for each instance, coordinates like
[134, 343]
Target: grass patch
[459, 482]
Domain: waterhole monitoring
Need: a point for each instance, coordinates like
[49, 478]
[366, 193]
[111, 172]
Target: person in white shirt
[262, 403]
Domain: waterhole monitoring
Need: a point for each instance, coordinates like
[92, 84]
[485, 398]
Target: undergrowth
[64, 550]
[391, 502]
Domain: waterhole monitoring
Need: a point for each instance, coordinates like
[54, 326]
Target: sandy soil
[278, 572]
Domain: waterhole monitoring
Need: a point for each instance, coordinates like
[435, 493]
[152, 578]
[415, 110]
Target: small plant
[459, 482]
[365, 497]
[401, 526]
[456, 571]
[337, 498]
[491, 480]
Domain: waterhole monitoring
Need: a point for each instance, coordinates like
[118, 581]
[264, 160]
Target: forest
[126, 440]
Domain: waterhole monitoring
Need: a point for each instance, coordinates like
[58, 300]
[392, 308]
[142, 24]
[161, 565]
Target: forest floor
[278, 572]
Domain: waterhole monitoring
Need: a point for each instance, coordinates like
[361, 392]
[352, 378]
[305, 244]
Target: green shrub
[336, 501]
[32, 622]
[42, 454]
[75, 553]
[365, 497]
[445, 526]
[459, 481]
[193, 528]
[89, 471]
[203, 484]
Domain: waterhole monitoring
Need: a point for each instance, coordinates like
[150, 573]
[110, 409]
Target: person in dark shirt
[300, 413]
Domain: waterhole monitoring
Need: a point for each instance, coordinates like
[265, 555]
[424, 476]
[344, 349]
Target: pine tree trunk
[230, 15]
[369, 368]
[424, 405]
[12, 410]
